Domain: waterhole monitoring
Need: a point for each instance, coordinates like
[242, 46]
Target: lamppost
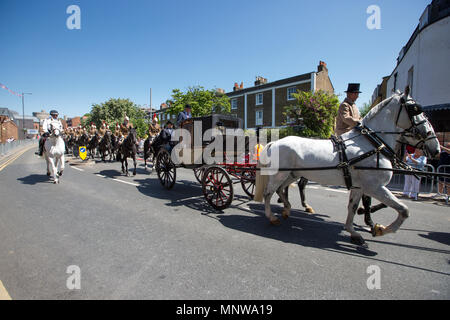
[23, 112]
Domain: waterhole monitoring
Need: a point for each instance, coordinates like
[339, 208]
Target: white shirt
[50, 121]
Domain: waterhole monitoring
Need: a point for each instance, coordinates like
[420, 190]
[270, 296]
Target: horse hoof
[359, 241]
[60, 173]
[285, 214]
[134, 173]
[275, 222]
[310, 210]
[48, 174]
[361, 211]
[378, 230]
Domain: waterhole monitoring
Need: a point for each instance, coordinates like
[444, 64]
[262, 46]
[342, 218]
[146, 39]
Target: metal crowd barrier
[427, 184]
[445, 181]
[6, 148]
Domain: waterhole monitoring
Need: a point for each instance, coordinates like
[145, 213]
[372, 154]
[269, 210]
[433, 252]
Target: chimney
[220, 90]
[236, 87]
[242, 86]
[322, 67]
[260, 81]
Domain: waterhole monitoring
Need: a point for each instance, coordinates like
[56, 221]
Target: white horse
[398, 118]
[54, 149]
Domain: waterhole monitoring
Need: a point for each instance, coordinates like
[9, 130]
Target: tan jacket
[347, 118]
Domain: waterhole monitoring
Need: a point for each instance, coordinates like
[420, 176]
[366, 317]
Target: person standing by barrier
[412, 184]
[444, 160]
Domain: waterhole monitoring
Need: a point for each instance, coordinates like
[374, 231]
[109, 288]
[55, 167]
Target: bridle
[413, 110]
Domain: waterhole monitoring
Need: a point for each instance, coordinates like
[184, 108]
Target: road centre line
[15, 157]
[118, 180]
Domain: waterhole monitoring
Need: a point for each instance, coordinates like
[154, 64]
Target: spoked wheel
[217, 187]
[248, 179]
[198, 172]
[166, 170]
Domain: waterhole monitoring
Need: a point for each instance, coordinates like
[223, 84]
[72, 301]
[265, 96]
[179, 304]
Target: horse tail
[261, 180]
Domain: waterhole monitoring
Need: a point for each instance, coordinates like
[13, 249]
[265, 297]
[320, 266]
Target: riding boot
[41, 147]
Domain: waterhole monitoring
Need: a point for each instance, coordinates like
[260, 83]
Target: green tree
[114, 110]
[203, 102]
[364, 110]
[317, 110]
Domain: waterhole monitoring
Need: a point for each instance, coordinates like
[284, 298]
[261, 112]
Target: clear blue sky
[125, 47]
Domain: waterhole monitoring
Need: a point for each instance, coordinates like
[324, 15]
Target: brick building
[8, 129]
[263, 104]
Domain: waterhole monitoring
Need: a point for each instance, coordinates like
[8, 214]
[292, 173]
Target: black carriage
[217, 179]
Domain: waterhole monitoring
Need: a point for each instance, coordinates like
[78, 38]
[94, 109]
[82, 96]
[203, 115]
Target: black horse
[149, 150]
[128, 150]
[105, 146]
[92, 145]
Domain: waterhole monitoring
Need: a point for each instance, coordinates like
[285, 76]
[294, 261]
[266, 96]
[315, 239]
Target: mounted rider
[348, 117]
[92, 130]
[154, 129]
[124, 129]
[103, 129]
[51, 122]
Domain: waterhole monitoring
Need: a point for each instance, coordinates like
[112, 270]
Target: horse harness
[380, 147]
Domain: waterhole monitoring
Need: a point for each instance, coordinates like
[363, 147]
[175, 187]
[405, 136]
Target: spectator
[444, 160]
[412, 184]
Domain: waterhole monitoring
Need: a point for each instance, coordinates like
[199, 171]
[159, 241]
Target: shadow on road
[442, 237]
[301, 228]
[33, 179]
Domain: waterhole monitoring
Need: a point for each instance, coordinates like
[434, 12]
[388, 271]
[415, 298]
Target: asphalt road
[131, 239]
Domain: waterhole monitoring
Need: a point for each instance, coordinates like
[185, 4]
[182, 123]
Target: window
[259, 99]
[411, 79]
[259, 118]
[290, 91]
[234, 104]
[395, 81]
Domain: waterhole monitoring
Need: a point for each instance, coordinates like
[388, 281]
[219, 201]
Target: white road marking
[77, 168]
[335, 190]
[118, 180]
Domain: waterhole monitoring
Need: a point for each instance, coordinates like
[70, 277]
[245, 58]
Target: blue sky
[124, 48]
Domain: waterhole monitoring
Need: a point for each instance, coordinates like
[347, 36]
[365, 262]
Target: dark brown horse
[105, 146]
[92, 145]
[149, 150]
[128, 150]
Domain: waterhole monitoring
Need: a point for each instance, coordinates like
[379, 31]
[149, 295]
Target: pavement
[131, 239]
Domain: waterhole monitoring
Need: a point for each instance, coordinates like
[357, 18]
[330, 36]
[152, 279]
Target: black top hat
[169, 122]
[188, 106]
[353, 88]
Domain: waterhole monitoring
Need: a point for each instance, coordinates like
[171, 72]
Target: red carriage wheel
[198, 172]
[248, 179]
[217, 187]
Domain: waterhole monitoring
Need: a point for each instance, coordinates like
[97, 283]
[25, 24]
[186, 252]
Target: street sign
[82, 152]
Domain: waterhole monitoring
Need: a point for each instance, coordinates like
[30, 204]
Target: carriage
[217, 179]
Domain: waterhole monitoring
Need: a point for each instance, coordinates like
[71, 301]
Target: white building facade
[424, 63]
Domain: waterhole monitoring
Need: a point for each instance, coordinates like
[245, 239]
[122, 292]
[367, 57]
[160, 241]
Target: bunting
[6, 88]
